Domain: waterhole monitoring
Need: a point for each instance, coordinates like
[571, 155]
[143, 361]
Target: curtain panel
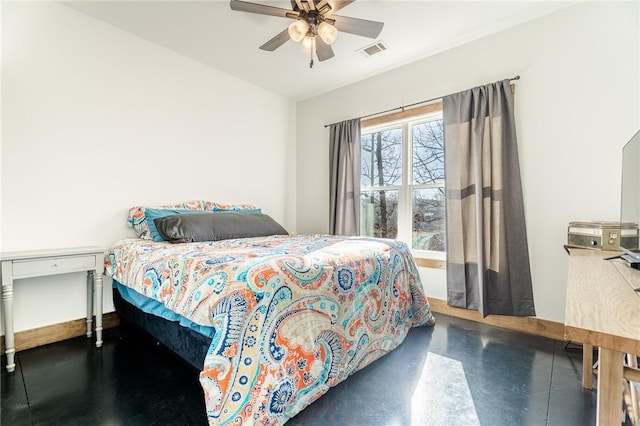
[487, 255]
[344, 185]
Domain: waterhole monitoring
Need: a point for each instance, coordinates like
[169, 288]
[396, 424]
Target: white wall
[91, 115]
[577, 103]
[96, 120]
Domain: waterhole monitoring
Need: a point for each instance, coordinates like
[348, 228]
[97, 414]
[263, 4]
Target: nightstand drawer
[53, 265]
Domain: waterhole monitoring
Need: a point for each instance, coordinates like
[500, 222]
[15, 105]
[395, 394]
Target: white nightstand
[38, 263]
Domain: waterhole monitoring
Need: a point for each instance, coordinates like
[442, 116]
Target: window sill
[424, 262]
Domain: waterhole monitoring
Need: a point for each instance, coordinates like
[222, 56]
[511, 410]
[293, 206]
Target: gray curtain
[487, 256]
[344, 203]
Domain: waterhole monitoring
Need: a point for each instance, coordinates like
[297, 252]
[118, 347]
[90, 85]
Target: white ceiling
[211, 33]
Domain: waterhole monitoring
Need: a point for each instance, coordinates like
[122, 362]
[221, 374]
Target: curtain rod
[517, 77]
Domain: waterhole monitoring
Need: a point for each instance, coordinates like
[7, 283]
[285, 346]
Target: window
[402, 180]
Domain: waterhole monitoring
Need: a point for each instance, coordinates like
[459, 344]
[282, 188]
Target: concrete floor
[456, 373]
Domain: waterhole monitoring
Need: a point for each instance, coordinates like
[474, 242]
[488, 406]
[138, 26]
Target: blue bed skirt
[185, 339]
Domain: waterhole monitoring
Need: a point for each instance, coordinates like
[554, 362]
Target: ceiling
[211, 33]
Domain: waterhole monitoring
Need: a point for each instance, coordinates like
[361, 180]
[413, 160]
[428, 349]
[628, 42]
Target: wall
[96, 120]
[577, 103]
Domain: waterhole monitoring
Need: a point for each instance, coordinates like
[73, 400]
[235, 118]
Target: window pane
[381, 158]
[428, 152]
[379, 214]
[429, 219]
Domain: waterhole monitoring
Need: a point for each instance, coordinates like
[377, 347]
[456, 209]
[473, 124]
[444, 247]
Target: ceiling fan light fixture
[308, 44]
[313, 23]
[327, 32]
[298, 29]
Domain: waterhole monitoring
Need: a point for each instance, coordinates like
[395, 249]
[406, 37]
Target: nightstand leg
[7, 310]
[90, 275]
[98, 292]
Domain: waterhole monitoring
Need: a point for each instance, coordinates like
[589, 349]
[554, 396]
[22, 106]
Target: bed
[270, 321]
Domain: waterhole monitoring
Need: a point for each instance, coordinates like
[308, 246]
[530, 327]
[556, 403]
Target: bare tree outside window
[428, 152]
[428, 228]
[381, 162]
[382, 182]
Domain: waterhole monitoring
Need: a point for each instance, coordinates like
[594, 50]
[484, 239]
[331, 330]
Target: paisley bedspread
[294, 315]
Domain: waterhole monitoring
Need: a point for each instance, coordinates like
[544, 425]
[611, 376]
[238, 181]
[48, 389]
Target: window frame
[406, 120]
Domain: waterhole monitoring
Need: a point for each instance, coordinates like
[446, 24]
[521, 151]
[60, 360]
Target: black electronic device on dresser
[630, 198]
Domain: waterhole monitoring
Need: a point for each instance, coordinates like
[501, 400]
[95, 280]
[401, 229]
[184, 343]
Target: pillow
[152, 214]
[213, 227]
[138, 221]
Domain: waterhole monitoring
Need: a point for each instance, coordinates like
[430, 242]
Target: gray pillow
[182, 228]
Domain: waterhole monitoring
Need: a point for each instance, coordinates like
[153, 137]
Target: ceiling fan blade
[336, 5]
[277, 41]
[361, 27]
[244, 6]
[323, 50]
[298, 4]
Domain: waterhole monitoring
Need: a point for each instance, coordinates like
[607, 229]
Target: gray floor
[456, 373]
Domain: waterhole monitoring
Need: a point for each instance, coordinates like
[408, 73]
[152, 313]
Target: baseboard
[529, 325]
[57, 332]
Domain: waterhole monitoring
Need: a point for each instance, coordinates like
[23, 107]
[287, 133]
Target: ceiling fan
[314, 24]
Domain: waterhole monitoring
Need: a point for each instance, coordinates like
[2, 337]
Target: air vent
[373, 49]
